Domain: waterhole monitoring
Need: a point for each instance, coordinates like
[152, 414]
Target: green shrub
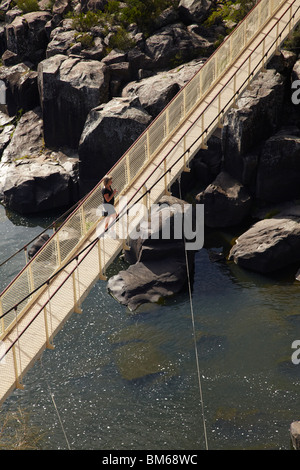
[27, 5]
[121, 40]
[227, 11]
[83, 22]
[143, 13]
[85, 39]
[293, 43]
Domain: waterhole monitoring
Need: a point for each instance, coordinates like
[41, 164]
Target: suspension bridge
[53, 284]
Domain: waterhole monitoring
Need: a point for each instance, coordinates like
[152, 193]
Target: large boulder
[61, 40]
[61, 7]
[292, 115]
[175, 43]
[32, 178]
[37, 186]
[109, 131]
[26, 36]
[278, 170]
[160, 269]
[156, 91]
[257, 117]
[270, 244]
[192, 11]
[69, 89]
[27, 139]
[226, 202]
[21, 88]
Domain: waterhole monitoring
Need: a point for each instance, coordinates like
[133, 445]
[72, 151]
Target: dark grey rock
[69, 89]
[160, 269]
[278, 169]
[257, 116]
[26, 36]
[21, 89]
[109, 131]
[269, 245]
[226, 202]
[191, 11]
[61, 41]
[175, 43]
[37, 245]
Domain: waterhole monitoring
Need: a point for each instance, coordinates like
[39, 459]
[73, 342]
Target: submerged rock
[139, 360]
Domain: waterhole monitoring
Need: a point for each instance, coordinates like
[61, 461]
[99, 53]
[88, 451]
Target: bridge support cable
[55, 405]
[194, 332]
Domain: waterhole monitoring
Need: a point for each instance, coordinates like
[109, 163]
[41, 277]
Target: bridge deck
[51, 307]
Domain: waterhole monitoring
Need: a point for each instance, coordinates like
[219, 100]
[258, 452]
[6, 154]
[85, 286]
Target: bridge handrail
[63, 243]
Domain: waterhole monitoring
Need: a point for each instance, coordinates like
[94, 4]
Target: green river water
[123, 381]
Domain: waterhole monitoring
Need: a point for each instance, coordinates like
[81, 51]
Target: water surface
[118, 380]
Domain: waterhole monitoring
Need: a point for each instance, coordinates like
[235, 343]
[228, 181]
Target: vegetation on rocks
[26, 6]
[229, 11]
[293, 43]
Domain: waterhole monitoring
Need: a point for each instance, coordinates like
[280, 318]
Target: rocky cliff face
[71, 74]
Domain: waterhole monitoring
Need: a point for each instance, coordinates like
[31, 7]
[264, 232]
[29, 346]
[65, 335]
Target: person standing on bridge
[109, 199]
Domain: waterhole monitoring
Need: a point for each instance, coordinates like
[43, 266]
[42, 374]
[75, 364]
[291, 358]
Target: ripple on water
[123, 381]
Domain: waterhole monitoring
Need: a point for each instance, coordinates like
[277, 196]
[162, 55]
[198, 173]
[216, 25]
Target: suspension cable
[194, 330]
[55, 406]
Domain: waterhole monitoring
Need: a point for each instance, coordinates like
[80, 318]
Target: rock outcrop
[21, 89]
[159, 268]
[256, 118]
[226, 202]
[110, 129]
[41, 184]
[26, 36]
[69, 89]
[278, 169]
[270, 244]
[32, 178]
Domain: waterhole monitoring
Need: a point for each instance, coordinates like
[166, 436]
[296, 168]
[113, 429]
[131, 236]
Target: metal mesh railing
[75, 230]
